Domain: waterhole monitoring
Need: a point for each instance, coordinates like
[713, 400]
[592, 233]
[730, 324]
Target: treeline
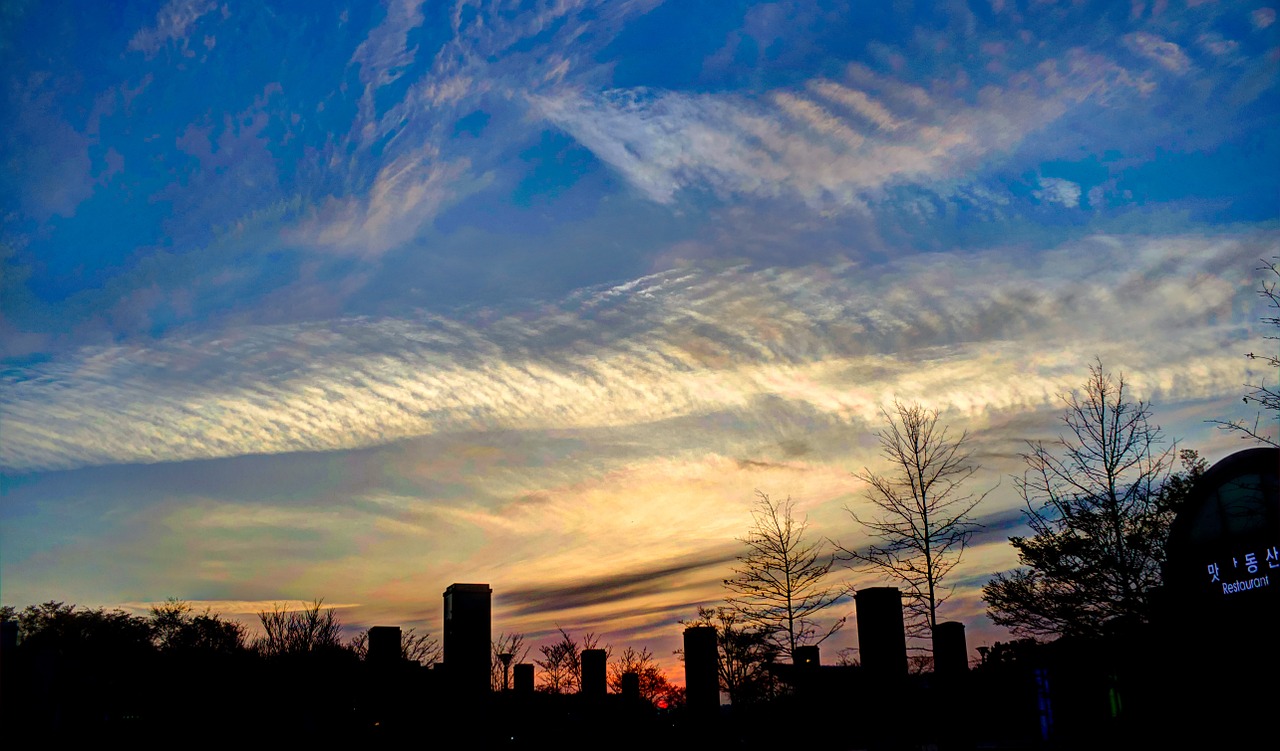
[78, 670]
[175, 629]
[73, 669]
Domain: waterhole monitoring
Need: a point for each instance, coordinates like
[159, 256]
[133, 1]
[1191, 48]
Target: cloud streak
[835, 145]
[840, 340]
[1164, 53]
[614, 589]
[173, 23]
[406, 195]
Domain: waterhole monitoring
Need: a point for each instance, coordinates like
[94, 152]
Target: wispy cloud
[244, 607]
[857, 101]
[840, 339]
[1161, 51]
[173, 24]
[384, 55]
[419, 171]
[613, 589]
[1057, 190]
[407, 194]
[833, 145]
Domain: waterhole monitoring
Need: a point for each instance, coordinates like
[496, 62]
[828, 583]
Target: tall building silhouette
[467, 611]
[384, 645]
[950, 650]
[701, 670]
[882, 635]
[523, 677]
[631, 687]
[594, 673]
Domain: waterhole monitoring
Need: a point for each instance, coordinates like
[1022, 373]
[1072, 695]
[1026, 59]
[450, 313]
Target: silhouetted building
[384, 645]
[950, 650]
[1223, 549]
[882, 636]
[467, 610]
[631, 687]
[1222, 574]
[8, 636]
[523, 677]
[701, 671]
[593, 673]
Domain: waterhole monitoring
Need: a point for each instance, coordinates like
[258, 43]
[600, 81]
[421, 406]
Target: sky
[353, 301]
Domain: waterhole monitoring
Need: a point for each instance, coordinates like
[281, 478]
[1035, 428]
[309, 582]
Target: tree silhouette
[778, 585]
[83, 632]
[176, 627]
[654, 686]
[424, 649]
[302, 651]
[922, 520]
[85, 668]
[1099, 512]
[297, 632]
[561, 663]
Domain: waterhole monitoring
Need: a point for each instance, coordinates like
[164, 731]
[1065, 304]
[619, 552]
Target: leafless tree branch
[779, 583]
[922, 520]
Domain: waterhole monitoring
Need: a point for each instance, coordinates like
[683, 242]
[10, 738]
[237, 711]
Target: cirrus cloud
[686, 342]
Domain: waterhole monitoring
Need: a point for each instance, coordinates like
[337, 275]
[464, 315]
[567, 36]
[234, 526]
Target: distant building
[1219, 610]
[384, 645]
[701, 670]
[950, 649]
[631, 687]
[467, 613]
[594, 673]
[523, 675]
[8, 636]
[1223, 549]
[882, 636]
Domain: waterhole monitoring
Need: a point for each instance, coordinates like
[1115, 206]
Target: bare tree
[922, 519]
[1266, 397]
[1096, 503]
[302, 631]
[561, 663]
[423, 648]
[779, 583]
[654, 686]
[556, 668]
[511, 644]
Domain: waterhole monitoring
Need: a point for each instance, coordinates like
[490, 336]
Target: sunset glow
[355, 301]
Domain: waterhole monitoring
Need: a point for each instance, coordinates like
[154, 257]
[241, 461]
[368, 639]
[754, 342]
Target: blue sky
[356, 300]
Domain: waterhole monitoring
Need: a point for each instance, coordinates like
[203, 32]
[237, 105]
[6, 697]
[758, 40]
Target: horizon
[344, 303]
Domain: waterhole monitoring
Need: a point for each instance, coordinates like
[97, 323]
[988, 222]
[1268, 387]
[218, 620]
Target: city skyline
[326, 301]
